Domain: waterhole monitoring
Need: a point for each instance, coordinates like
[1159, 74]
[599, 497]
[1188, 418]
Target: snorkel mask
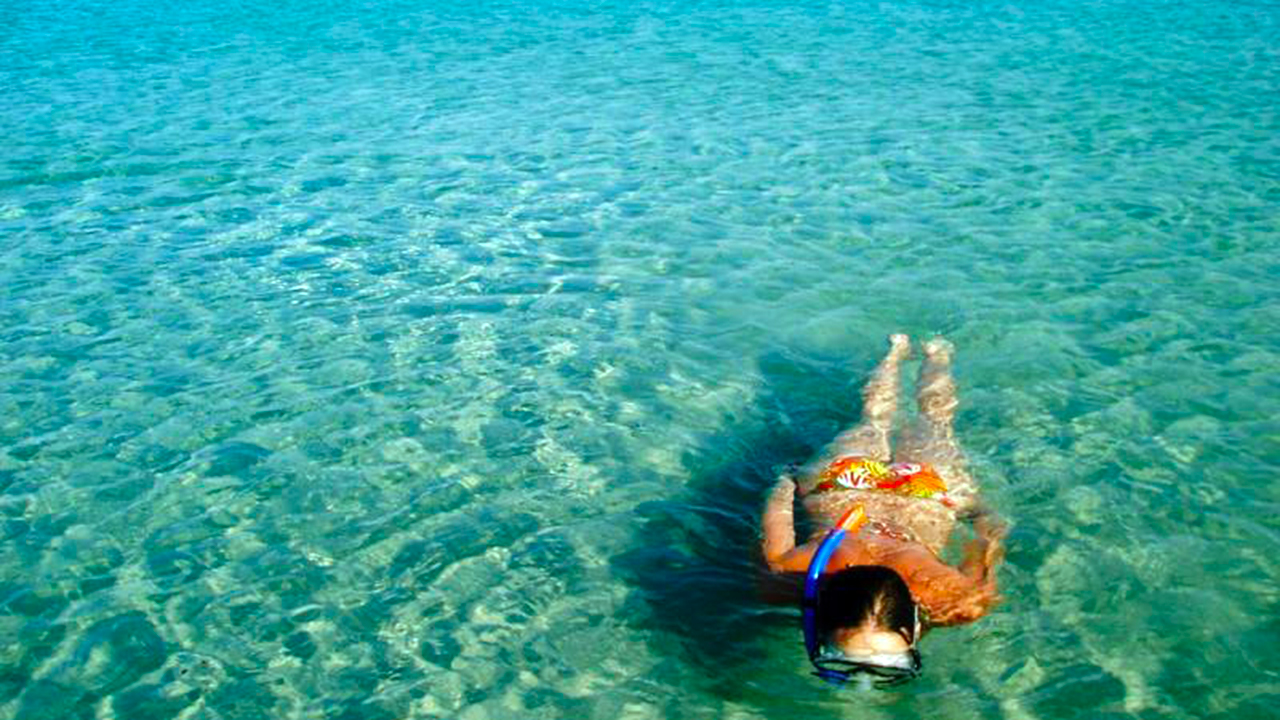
[833, 665]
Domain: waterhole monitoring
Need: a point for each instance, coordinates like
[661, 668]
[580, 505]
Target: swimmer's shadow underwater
[885, 518]
[700, 570]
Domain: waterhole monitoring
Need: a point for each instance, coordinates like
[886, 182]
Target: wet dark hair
[862, 593]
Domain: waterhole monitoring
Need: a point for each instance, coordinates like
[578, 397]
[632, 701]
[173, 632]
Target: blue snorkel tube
[853, 519]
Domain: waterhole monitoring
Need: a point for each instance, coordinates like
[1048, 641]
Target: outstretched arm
[952, 596]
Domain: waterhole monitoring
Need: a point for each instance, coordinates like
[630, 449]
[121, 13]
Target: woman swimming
[875, 578]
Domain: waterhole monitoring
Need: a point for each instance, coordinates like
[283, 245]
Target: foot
[939, 350]
[899, 345]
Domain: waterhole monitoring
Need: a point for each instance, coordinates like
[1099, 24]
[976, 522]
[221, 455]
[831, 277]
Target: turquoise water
[431, 360]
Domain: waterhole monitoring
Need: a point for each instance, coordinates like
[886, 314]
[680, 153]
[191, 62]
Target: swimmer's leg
[934, 440]
[936, 392]
[870, 438]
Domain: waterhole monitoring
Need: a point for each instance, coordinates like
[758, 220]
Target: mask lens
[843, 669]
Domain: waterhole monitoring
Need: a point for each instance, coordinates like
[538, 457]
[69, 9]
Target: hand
[786, 485]
[991, 527]
[986, 523]
[985, 551]
[778, 522]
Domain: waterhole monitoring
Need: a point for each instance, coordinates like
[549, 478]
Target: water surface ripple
[385, 359]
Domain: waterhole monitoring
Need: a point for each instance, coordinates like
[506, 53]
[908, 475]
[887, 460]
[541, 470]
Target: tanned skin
[948, 595]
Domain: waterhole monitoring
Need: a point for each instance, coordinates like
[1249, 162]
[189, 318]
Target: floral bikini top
[854, 472]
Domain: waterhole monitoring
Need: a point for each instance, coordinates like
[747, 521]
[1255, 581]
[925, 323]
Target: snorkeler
[875, 580]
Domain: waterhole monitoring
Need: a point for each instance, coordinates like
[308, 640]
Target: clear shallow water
[374, 360]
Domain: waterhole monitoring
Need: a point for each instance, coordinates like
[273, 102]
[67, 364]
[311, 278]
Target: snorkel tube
[851, 521]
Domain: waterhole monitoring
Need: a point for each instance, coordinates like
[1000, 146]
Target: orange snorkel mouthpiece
[853, 519]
